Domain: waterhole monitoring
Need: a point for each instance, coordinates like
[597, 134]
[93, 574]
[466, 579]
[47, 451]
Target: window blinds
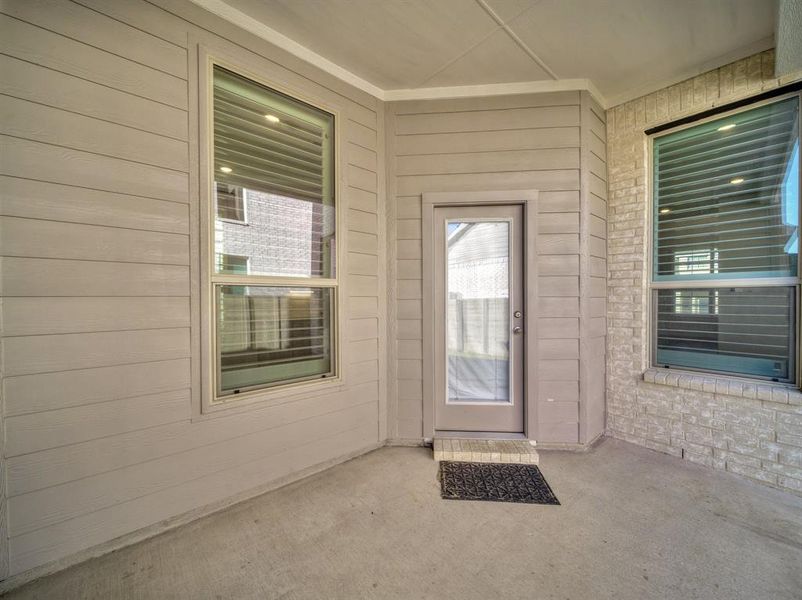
[726, 197]
[266, 334]
[266, 141]
[274, 237]
[746, 330]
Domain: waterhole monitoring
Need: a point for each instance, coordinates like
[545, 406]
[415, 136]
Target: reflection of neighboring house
[276, 234]
[267, 234]
[719, 327]
[478, 311]
[477, 260]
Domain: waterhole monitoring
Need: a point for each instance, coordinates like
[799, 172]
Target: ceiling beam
[515, 38]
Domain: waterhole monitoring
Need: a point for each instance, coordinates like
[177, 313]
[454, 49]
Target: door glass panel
[478, 311]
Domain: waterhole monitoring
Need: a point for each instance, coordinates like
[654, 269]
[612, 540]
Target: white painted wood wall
[99, 244]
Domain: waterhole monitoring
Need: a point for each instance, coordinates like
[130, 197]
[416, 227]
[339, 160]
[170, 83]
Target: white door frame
[527, 199]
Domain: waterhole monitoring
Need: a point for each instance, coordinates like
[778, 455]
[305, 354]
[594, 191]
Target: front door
[478, 319]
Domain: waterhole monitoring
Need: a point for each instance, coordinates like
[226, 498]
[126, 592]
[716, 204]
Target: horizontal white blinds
[266, 141]
[746, 330]
[727, 195]
[264, 330]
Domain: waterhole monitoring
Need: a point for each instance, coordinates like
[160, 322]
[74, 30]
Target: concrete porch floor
[633, 524]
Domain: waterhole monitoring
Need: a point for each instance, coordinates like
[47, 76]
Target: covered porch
[632, 525]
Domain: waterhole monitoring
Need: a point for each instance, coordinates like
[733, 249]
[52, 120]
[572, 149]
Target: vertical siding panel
[593, 271]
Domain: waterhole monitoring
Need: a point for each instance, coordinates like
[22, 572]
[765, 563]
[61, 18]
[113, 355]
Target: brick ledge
[721, 384]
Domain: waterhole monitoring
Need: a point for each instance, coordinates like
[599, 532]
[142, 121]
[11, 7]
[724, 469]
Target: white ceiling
[623, 47]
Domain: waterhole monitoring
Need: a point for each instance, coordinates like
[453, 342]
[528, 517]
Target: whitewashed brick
[748, 428]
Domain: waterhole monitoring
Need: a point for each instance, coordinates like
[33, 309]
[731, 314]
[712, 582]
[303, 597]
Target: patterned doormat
[494, 482]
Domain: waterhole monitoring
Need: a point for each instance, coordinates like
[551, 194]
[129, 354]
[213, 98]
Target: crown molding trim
[248, 23]
[251, 25]
[495, 89]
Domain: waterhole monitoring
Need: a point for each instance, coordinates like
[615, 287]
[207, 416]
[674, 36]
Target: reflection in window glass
[284, 236]
[748, 331]
[477, 323]
[727, 196]
[230, 202]
[272, 334]
[232, 264]
[696, 302]
[699, 261]
[273, 219]
[278, 153]
[790, 196]
[726, 216]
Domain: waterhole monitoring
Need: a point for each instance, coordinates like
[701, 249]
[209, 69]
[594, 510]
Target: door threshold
[479, 435]
[485, 451]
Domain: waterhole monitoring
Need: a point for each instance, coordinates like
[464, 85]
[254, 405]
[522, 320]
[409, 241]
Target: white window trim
[244, 220]
[651, 285]
[209, 402]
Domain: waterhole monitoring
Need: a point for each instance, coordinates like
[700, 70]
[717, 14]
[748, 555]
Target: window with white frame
[274, 281]
[725, 249]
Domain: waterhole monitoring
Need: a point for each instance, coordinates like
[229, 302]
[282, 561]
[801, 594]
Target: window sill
[720, 384]
[270, 397]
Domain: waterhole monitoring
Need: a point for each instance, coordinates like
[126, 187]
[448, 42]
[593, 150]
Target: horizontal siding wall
[474, 144]
[99, 253]
[594, 273]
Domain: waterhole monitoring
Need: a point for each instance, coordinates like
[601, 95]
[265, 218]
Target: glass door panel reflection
[478, 311]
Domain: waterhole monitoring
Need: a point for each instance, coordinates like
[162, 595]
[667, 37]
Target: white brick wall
[715, 424]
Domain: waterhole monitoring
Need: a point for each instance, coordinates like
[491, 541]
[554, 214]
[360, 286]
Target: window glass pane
[267, 335]
[748, 331]
[274, 154]
[727, 197]
[230, 202]
[232, 264]
[478, 319]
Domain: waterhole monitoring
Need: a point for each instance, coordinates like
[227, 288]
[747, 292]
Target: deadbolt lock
[517, 314]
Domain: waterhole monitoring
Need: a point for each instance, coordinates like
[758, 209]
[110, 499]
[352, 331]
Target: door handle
[517, 330]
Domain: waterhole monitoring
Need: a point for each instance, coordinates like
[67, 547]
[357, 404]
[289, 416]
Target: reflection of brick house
[260, 233]
[277, 235]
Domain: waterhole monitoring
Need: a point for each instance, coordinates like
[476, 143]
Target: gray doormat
[494, 482]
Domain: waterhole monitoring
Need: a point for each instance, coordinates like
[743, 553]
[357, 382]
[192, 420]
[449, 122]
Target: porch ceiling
[624, 47]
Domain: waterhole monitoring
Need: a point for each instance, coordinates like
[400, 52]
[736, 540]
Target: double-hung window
[273, 275]
[725, 244]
